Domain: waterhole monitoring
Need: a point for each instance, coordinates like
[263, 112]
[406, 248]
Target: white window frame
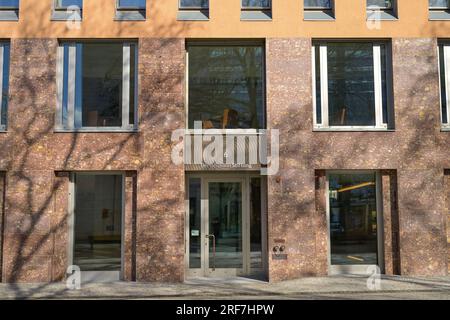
[446, 61]
[379, 124]
[73, 115]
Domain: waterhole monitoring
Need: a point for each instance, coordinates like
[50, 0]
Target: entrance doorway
[225, 225]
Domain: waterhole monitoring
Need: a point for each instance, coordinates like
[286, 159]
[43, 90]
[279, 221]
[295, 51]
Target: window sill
[193, 15]
[381, 16]
[325, 15]
[256, 15]
[352, 129]
[130, 15]
[9, 15]
[439, 15]
[96, 130]
[445, 129]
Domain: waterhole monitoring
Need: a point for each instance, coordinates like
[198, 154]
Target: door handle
[209, 236]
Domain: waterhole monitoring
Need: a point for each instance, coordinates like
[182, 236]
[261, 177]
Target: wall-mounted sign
[195, 233]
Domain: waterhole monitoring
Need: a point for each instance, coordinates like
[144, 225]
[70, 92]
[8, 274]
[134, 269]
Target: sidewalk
[336, 287]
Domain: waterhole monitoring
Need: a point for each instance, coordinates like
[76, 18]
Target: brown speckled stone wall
[38, 163]
[415, 151]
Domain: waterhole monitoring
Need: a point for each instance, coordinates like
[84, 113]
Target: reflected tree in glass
[439, 4]
[317, 4]
[189, 4]
[256, 3]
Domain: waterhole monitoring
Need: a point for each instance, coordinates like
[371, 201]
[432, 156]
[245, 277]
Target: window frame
[73, 51]
[264, 81]
[380, 125]
[3, 85]
[444, 62]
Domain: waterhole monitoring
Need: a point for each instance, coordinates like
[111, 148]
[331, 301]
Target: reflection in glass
[14, 4]
[443, 84]
[64, 4]
[226, 87]
[353, 219]
[194, 4]
[439, 4]
[351, 88]
[256, 3]
[195, 235]
[131, 4]
[98, 222]
[5, 84]
[379, 4]
[255, 224]
[225, 223]
[317, 4]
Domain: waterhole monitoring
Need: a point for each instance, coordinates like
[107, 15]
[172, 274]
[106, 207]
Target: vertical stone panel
[160, 202]
[130, 227]
[2, 193]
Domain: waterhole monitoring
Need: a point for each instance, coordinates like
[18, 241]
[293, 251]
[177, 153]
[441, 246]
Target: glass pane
[226, 88]
[255, 224]
[379, 4]
[5, 88]
[318, 88]
[225, 223]
[132, 83]
[353, 219]
[102, 84]
[194, 3]
[98, 222]
[351, 88]
[443, 85]
[68, 3]
[140, 4]
[317, 4]
[256, 3]
[439, 4]
[195, 235]
[9, 3]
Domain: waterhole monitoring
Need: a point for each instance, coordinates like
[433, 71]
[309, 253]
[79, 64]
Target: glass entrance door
[224, 226]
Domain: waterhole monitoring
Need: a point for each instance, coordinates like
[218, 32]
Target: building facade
[93, 92]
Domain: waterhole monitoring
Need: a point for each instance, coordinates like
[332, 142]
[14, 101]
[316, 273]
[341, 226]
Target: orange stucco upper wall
[98, 22]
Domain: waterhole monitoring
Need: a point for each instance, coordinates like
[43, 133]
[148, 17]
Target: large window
[4, 84]
[9, 10]
[131, 10]
[353, 219]
[351, 85]
[444, 68]
[226, 86]
[97, 86]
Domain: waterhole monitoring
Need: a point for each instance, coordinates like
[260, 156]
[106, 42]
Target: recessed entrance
[225, 226]
[355, 222]
[96, 232]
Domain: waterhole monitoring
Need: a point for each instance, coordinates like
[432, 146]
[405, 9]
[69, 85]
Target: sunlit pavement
[336, 287]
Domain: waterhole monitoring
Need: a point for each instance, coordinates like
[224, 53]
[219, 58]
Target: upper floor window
[96, 86]
[67, 9]
[352, 88]
[226, 86]
[4, 84]
[318, 9]
[193, 10]
[9, 10]
[439, 9]
[444, 67]
[381, 9]
[131, 10]
[256, 10]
